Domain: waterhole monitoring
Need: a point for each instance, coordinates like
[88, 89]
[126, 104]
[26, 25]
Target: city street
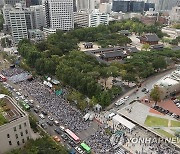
[134, 95]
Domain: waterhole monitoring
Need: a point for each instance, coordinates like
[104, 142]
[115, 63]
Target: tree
[129, 77]
[43, 145]
[156, 94]
[145, 47]
[93, 102]
[159, 63]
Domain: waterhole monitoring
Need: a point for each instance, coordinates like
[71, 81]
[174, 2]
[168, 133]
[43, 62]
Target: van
[91, 117]
[111, 115]
[86, 117]
[56, 122]
[62, 128]
[118, 103]
[41, 116]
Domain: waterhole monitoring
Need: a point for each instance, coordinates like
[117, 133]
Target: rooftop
[171, 79]
[9, 111]
[149, 37]
[113, 54]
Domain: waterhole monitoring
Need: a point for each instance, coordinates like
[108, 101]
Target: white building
[97, 18]
[105, 7]
[81, 18]
[85, 5]
[175, 14]
[59, 14]
[18, 20]
[18, 25]
[38, 16]
[170, 84]
[16, 130]
[6, 16]
[48, 31]
[90, 19]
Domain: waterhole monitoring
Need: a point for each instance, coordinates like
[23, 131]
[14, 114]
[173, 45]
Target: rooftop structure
[8, 110]
[117, 119]
[14, 124]
[113, 53]
[150, 39]
[170, 84]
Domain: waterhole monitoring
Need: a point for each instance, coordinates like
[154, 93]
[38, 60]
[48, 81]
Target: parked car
[41, 116]
[56, 122]
[126, 98]
[143, 90]
[62, 128]
[36, 110]
[44, 112]
[50, 123]
[57, 130]
[44, 125]
[147, 91]
[56, 138]
[50, 118]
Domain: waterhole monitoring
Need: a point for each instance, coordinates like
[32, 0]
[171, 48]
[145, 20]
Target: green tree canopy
[155, 94]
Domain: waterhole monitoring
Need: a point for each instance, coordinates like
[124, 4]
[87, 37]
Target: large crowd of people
[56, 106]
[70, 117]
[100, 142]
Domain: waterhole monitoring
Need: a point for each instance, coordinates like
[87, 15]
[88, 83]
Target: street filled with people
[60, 109]
[100, 142]
[57, 106]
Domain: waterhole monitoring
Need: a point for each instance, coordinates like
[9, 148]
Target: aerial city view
[90, 77]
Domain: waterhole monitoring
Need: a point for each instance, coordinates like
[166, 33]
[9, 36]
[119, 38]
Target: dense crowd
[72, 118]
[100, 142]
[57, 106]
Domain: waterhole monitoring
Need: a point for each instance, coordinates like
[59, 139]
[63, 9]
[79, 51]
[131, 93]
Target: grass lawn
[175, 123]
[152, 121]
[164, 133]
[2, 120]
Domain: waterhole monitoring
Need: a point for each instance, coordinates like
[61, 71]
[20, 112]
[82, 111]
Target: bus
[86, 147]
[2, 78]
[25, 106]
[73, 136]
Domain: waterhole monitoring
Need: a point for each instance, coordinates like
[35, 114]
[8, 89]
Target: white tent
[117, 119]
[45, 82]
[49, 79]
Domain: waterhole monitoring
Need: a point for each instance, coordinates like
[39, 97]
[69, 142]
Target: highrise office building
[137, 6]
[120, 5]
[131, 6]
[38, 16]
[18, 20]
[85, 5]
[164, 4]
[59, 14]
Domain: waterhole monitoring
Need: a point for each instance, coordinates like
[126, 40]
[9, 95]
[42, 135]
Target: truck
[86, 117]
[91, 117]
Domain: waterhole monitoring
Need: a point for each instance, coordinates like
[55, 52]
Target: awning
[120, 120]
